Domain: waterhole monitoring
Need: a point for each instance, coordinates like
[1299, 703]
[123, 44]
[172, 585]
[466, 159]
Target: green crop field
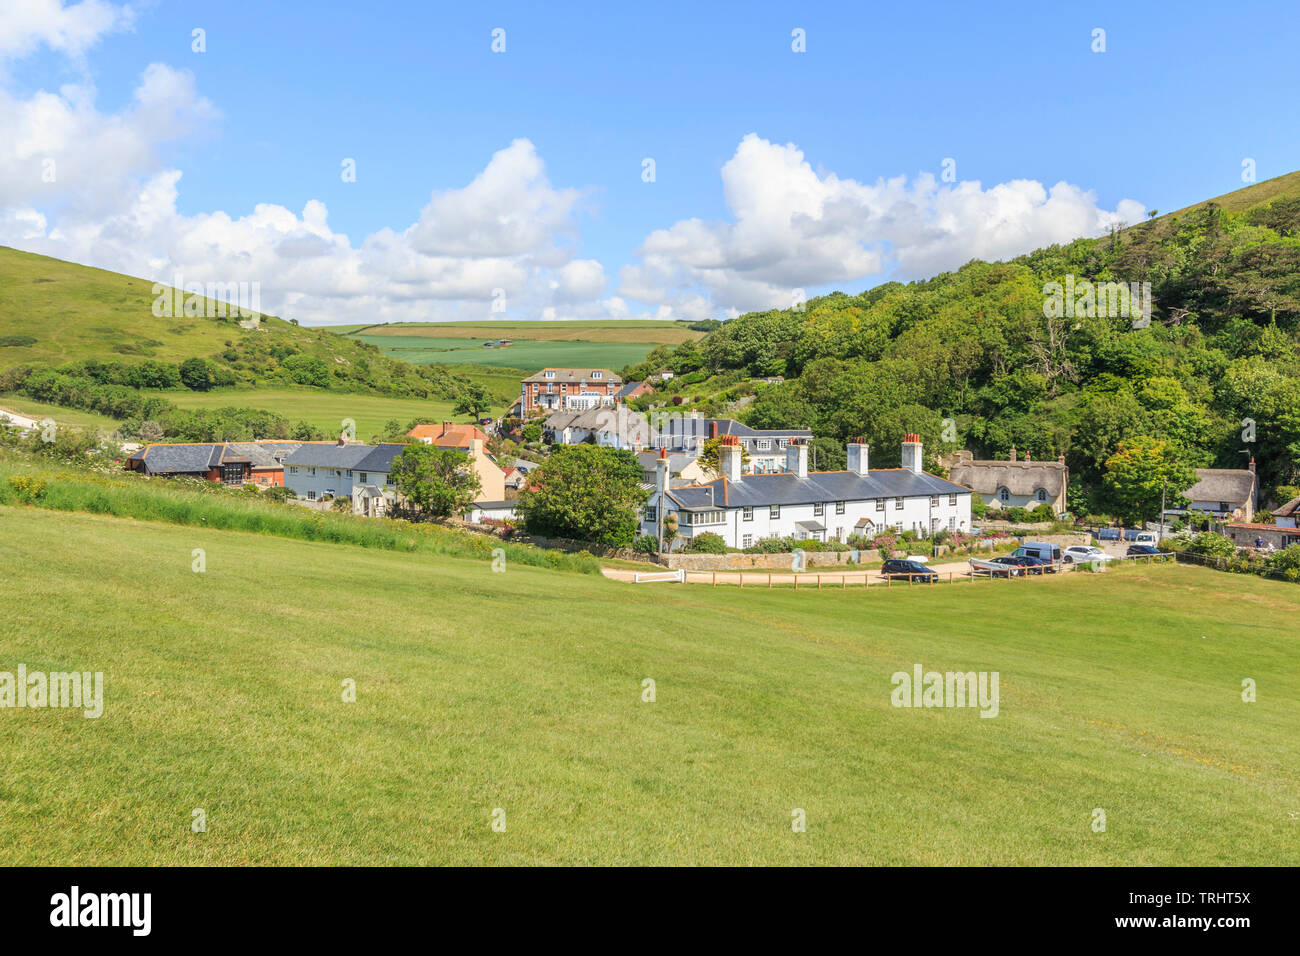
[527, 356]
[522, 691]
[574, 344]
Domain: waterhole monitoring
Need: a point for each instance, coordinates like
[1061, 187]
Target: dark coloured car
[1038, 565]
[912, 570]
[1144, 551]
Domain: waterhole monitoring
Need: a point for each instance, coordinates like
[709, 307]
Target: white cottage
[823, 505]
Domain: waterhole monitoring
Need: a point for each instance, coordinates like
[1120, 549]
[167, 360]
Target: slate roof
[1235, 486]
[1018, 477]
[184, 458]
[783, 488]
[627, 389]
[358, 457]
[676, 461]
[574, 375]
[699, 428]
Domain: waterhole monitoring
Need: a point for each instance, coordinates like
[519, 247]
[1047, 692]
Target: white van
[1039, 549]
[1147, 537]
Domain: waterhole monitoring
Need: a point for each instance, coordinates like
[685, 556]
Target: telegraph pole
[1164, 485]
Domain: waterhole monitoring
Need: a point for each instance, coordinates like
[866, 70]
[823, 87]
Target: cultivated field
[537, 345]
[523, 691]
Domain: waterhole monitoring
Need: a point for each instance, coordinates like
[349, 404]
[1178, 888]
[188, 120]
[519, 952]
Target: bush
[708, 543]
[646, 544]
[1212, 545]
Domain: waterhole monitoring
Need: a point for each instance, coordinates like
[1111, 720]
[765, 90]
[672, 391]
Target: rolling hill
[53, 313]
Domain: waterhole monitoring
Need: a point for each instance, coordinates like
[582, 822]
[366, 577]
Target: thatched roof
[1234, 486]
[1288, 510]
[1018, 477]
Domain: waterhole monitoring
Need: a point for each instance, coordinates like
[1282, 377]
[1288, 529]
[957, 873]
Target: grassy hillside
[478, 690]
[54, 312]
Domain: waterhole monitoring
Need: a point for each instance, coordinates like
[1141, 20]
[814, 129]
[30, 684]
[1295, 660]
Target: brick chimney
[1013, 452]
[857, 451]
[729, 458]
[713, 429]
[445, 426]
[796, 458]
[912, 453]
[1251, 466]
[661, 473]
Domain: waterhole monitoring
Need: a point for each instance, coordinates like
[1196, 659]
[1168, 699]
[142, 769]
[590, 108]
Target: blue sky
[413, 92]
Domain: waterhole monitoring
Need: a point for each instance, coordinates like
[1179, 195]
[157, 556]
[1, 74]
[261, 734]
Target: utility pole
[1164, 485]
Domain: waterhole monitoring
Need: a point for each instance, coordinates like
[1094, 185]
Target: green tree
[1138, 472]
[708, 457]
[196, 374]
[438, 481]
[585, 492]
[473, 400]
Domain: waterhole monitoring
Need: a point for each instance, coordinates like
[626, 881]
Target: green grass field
[525, 355]
[537, 345]
[523, 691]
[64, 416]
[328, 409]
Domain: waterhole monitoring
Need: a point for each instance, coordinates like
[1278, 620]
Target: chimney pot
[1013, 452]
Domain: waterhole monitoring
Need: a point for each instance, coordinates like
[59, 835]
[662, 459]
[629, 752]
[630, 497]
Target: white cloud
[795, 229]
[71, 30]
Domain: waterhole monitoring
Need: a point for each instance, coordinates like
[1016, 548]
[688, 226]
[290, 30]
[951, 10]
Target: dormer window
[1041, 495]
[596, 374]
[1004, 494]
[550, 375]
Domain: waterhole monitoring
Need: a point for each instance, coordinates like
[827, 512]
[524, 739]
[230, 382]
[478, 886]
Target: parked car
[1146, 537]
[995, 568]
[1145, 551]
[1084, 554]
[1026, 564]
[1051, 553]
[912, 570]
[1039, 565]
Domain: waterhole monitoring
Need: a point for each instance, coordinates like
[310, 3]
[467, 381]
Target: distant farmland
[536, 344]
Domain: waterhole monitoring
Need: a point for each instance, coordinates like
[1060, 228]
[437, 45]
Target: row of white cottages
[822, 505]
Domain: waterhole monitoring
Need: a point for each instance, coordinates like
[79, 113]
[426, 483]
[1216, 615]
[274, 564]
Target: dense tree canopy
[586, 492]
[978, 358]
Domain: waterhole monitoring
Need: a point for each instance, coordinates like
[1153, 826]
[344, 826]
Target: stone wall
[765, 562]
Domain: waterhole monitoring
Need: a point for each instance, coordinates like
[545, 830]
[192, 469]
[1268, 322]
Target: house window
[819, 509]
[747, 541]
[651, 513]
[764, 444]
[232, 474]
[898, 504]
[364, 478]
[597, 374]
[774, 512]
[747, 514]
[1004, 494]
[311, 470]
[550, 375]
[952, 501]
[880, 504]
[293, 469]
[934, 501]
[311, 496]
[1041, 495]
[839, 507]
[952, 523]
[782, 443]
